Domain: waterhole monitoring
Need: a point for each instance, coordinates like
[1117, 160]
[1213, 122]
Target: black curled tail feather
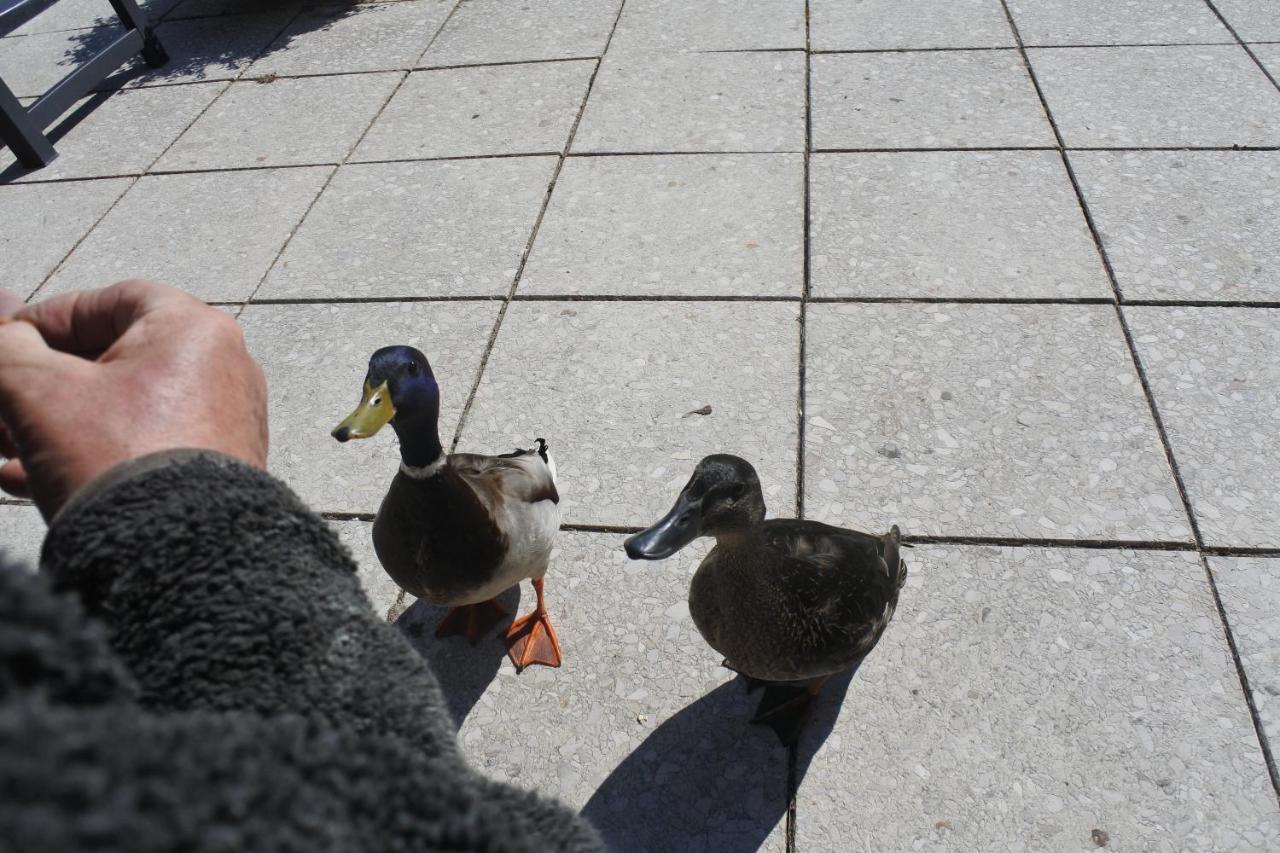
[542, 449]
[892, 556]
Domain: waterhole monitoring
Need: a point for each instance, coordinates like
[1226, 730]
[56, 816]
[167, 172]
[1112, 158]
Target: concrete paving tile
[987, 420]
[357, 536]
[613, 387]
[678, 224]
[360, 37]
[640, 721]
[1250, 591]
[82, 14]
[213, 234]
[894, 24]
[32, 65]
[1253, 20]
[1215, 379]
[1210, 95]
[1269, 56]
[315, 357]
[205, 49]
[184, 9]
[1082, 22]
[1062, 693]
[498, 31]
[444, 228]
[949, 224]
[470, 112]
[281, 123]
[1187, 224]
[41, 223]
[925, 100]
[21, 534]
[120, 134]
[715, 25]
[696, 102]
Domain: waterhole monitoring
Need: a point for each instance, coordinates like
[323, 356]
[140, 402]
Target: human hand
[91, 379]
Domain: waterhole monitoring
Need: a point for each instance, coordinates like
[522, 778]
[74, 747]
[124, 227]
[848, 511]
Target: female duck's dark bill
[373, 413]
[675, 530]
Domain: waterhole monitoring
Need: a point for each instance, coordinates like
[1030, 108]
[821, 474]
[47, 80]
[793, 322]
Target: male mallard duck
[457, 529]
[783, 600]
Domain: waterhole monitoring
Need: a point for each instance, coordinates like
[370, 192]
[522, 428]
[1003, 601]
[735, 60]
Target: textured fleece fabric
[229, 689]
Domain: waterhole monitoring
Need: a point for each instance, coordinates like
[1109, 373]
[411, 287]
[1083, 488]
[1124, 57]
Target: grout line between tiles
[1157, 418]
[506, 63]
[1274, 82]
[1012, 47]
[404, 75]
[533, 234]
[806, 292]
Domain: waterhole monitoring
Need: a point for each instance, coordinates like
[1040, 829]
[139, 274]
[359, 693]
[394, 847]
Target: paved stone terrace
[1006, 274]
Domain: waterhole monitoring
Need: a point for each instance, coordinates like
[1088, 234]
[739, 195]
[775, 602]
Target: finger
[13, 479]
[29, 369]
[8, 448]
[9, 302]
[87, 322]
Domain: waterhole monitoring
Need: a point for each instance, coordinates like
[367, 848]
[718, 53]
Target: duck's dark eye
[413, 368]
[736, 491]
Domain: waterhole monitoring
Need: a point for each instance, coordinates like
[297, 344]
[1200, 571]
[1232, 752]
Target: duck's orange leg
[472, 620]
[531, 639]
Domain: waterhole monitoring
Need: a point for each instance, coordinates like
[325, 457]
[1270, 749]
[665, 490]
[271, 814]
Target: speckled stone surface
[1217, 384]
[31, 65]
[468, 112]
[1269, 55]
[1254, 20]
[315, 357]
[498, 31]
[377, 584]
[41, 223]
[696, 102]
[360, 37]
[925, 100]
[949, 224]
[1250, 591]
[1187, 224]
[80, 14]
[209, 8]
[895, 24]
[1210, 95]
[213, 234]
[1086, 22]
[284, 122]
[641, 728]
[709, 25]
[21, 533]
[107, 141]
[206, 49]
[447, 228]
[678, 224]
[1023, 698]
[993, 420]
[612, 387]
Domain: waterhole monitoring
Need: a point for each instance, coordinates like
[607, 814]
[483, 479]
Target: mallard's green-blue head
[401, 390]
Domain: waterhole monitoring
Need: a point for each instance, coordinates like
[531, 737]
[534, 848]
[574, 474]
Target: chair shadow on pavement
[463, 670]
[707, 779]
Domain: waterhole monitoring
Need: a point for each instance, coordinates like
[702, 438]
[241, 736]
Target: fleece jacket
[195, 667]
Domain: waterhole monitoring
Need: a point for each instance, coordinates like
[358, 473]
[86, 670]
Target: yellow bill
[373, 413]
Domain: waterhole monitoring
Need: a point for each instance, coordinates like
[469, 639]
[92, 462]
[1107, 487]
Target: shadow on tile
[214, 48]
[708, 762]
[464, 671]
[62, 128]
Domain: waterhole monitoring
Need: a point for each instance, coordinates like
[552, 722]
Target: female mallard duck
[457, 529]
[783, 600]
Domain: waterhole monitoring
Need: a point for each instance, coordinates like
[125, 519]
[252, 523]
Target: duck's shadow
[707, 779]
[463, 670]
